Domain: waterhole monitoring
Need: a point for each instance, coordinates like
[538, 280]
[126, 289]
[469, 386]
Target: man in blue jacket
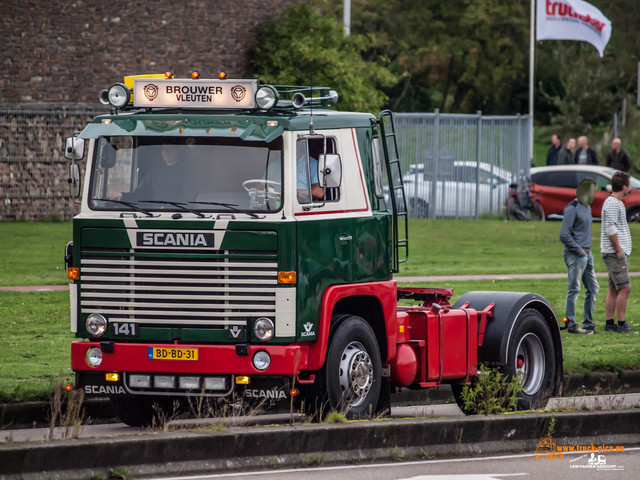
[575, 234]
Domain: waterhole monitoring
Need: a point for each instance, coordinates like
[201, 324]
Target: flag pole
[532, 42]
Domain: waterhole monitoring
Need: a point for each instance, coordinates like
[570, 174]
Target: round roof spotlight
[104, 97]
[298, 100]
[118, 95]
[267, 97]
[333, 97]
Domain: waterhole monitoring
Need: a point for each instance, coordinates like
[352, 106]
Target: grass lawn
[493, 246]
[34, 344]
[33, 253]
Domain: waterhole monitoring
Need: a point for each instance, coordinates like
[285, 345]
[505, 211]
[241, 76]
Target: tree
[304, 47]
[458, 56]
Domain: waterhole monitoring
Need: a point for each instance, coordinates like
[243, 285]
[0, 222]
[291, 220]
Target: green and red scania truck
[240, 239]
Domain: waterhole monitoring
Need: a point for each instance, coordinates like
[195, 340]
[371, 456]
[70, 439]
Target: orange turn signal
[168, 74]
[287, 277]
[68, 387]
[112, 377]
[222, 75]
[73, 273]
[195, 75]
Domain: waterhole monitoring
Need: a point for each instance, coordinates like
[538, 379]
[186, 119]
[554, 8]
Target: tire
[457, 395]
[353, 371]
[139, 411]
[531, 357]
[536, 212]
[514, 212]
[418, 208]
[633, 215]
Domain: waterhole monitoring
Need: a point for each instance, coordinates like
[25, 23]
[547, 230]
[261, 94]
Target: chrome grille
[218, 288]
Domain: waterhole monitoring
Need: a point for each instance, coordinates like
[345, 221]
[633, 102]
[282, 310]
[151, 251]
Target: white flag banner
[572, 20]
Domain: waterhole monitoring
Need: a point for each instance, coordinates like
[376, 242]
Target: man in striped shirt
[615, 248]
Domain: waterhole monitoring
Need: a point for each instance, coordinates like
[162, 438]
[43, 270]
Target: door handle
[345, 238]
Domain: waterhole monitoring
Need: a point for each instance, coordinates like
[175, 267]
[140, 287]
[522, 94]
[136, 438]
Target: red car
[555, 186]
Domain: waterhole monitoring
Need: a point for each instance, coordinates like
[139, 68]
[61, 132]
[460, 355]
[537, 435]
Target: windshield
[171, 173]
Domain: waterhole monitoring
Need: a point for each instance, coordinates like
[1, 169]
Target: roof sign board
[217, 94]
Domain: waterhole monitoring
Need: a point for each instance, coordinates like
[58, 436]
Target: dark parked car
[555, 186]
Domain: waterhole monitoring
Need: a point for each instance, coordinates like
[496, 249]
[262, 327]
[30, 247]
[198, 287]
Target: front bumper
[212, 359]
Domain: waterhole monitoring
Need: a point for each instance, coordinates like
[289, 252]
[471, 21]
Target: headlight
[118, 95]
[261, 360]
[94, 357]
[263, 329]
[96, 325]
[266, 97]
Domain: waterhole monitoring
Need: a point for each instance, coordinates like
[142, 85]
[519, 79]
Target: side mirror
[74, 148]
[330, 170]
[74, 180]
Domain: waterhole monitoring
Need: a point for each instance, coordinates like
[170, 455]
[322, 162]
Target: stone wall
[66, 52]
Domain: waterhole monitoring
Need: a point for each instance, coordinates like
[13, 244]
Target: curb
[309, 445]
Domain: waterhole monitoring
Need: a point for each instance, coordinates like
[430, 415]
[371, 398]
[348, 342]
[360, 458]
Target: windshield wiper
[181, 206]
[230, 206]
[128, 204]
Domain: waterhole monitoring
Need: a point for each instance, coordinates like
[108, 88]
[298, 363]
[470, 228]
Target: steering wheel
[268, 186]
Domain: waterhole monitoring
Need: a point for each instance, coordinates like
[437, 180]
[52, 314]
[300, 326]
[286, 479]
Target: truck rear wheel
[139, 411]
[353, 370]
[530, 358]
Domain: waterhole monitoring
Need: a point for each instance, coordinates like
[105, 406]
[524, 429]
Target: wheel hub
[356, 373]
[530, 363]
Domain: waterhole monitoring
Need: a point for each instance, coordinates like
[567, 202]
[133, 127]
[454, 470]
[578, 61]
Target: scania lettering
[247, 246]
[175, 239]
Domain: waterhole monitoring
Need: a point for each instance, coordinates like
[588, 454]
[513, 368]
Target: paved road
[617, 466]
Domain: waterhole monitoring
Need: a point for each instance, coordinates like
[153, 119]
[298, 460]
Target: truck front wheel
[353, 369]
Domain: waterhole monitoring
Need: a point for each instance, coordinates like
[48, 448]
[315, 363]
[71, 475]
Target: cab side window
[309, 152]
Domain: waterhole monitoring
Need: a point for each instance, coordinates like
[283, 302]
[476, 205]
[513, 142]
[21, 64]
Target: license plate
[173, 353]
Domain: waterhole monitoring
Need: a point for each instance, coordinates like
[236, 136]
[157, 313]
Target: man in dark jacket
[617, 157]
[552, 154]
[585, 155]
[565, 155]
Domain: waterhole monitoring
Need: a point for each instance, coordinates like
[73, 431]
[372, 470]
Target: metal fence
[459, 166]
[33, 171]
